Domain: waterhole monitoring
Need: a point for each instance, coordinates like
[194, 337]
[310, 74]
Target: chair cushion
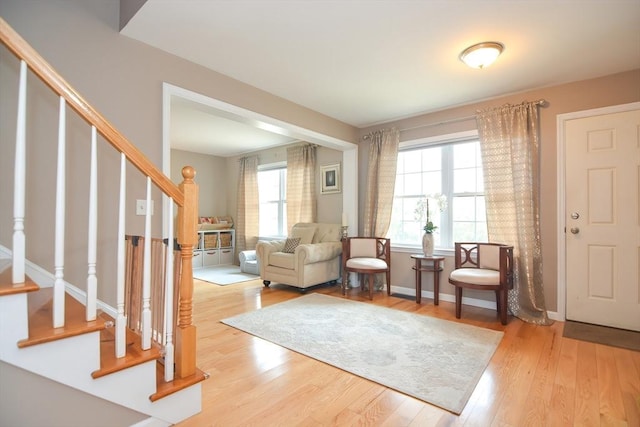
[363, 248]
[367, 263]
[489, 256]
[282, 260]
[476, 276]
[304, 233]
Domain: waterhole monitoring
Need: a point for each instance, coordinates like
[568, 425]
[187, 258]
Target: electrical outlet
[141, 207]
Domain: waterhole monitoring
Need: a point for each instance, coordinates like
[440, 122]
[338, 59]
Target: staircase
[60, 333]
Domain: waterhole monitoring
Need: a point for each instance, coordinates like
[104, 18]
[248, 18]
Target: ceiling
[365, 62]
[200, 128]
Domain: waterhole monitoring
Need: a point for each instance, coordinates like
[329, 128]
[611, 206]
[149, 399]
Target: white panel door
[602, 219]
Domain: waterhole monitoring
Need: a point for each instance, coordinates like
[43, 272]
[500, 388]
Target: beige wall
[211, 177]
[616, 89]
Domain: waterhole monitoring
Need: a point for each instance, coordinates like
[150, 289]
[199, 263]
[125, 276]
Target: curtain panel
[301, 184]
[509, 143]
[248, 218]
[381, 178]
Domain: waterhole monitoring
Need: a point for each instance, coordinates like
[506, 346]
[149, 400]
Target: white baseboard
[474, 302]
[45, 279]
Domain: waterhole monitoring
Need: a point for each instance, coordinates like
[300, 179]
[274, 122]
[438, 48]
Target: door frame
[561, 119]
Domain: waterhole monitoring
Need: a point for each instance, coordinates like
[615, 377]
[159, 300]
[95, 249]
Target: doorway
[251, 118]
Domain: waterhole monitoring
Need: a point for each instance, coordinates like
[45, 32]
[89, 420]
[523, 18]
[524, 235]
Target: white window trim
[270, 166]
[440, 139]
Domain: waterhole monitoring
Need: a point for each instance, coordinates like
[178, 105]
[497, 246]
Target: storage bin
[226, 256]
[225, 240]
[197, 259]
[210, 240]
[211, 258]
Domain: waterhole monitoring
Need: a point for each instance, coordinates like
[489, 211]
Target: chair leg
[458, 302]
[503, 306]
[344, 282]
[371, 283]
[388, 282]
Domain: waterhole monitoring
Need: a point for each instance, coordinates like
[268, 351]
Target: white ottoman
[249, 262]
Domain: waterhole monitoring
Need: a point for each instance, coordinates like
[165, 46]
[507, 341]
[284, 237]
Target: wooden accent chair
[366, 255]
[484, 266]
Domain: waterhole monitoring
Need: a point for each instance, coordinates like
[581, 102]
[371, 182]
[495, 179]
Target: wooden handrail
[51, 78]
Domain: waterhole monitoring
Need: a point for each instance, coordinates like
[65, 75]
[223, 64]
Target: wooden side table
[429, 264]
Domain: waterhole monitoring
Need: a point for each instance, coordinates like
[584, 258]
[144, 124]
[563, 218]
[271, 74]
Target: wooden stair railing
[185, 196]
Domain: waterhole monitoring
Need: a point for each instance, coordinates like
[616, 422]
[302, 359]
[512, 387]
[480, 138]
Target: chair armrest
[266, 247]
[317, 252]
[247, 256]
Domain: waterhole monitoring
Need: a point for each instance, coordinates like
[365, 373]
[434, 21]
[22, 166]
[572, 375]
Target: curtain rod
[540, 102]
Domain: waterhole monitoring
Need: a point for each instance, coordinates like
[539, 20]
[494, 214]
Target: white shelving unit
[215, 247]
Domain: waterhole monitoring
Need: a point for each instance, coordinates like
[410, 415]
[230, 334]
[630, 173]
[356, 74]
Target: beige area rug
[602, 335]
[223, 275]
[434, 360]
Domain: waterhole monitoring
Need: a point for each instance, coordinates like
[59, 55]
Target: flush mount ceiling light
[481, 55]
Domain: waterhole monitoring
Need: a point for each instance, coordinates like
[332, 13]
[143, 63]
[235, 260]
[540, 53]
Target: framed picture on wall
[330, 178]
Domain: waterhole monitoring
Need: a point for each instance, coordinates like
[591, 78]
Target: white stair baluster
[121, 320]
[168, 305]
[20, 180]
[92, 280]
[146, 277]
[58, 286]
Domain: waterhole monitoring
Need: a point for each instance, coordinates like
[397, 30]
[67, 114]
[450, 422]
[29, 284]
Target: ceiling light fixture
[481, 55]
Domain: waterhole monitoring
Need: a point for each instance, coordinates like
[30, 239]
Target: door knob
[575, 230]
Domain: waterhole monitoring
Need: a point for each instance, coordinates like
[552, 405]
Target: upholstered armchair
[309, 256]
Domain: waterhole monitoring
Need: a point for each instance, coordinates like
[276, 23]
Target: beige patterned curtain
[381, 178]
[247, 221]
[301, 184]
[509, 141]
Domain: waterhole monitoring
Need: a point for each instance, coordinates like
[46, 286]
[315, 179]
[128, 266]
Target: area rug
[602, 335]
[434, 360]
[222, 275]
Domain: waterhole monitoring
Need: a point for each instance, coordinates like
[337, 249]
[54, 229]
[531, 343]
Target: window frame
[430, 142]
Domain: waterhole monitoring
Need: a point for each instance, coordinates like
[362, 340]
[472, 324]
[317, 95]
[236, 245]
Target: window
[272, 187]
[452, 168]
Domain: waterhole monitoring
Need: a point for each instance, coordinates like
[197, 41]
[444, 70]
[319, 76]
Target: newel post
[187, 238]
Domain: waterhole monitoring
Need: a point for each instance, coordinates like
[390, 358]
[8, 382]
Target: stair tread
[134, 355]
[6, 285]
[41, 328]
[164, 388]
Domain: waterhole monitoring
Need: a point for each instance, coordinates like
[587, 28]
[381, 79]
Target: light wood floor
[536, 377]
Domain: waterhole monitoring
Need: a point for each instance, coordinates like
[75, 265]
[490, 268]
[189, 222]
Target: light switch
[141, 207]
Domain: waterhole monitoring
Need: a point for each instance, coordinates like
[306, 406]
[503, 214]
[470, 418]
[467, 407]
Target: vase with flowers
[423, 211]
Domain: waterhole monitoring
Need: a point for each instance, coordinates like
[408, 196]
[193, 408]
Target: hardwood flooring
[535, 378]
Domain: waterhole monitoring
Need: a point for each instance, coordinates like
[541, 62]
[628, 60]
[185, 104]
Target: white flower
[423, 209]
